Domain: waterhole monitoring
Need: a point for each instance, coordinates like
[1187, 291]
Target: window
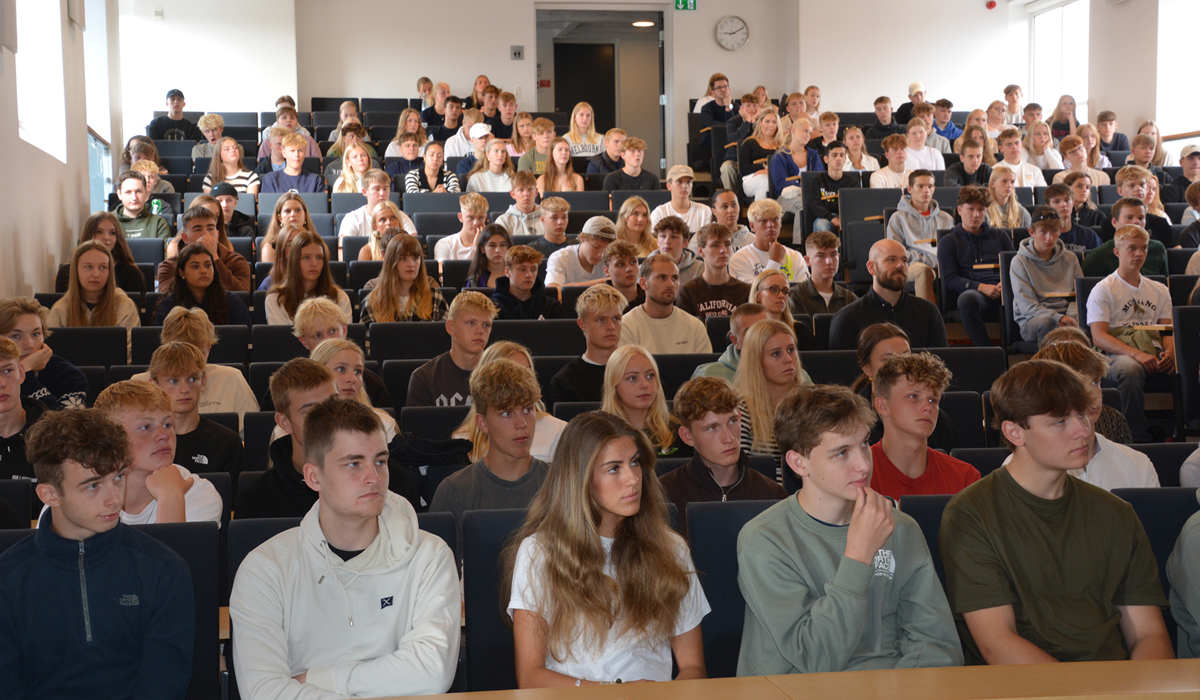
[1175, 110]
[41, 93]
[1060, 56]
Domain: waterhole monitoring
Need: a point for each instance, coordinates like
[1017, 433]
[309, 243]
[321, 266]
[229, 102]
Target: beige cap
[915, 88]
[1190, 150]
[678, 171]
[600, 227]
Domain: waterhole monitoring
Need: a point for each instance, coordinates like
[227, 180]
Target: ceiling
[590, 25]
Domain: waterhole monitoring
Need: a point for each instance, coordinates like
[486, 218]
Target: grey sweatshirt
[1183, 568]
[810, 609]
[519, 223]
[1032, 278]
[908, 225]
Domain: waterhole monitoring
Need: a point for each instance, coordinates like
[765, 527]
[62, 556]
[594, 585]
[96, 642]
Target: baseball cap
[223, 188]
[601, 227]
[480, 129]
[1044, 213]
[916, 87]
[678, 171]
[175, 93]
[1190, 150]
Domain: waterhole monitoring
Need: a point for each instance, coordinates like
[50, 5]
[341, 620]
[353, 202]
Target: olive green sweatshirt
[811, 609]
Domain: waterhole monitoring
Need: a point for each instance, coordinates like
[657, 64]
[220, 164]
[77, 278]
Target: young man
[726, 211]
[410, 156]
[598, 312]
[505, 120]
[630, 175]
[1032, 113]
[534, 160]
[715, 111]
[679, 182]
[478, 135]
[445, 380]
[212, 126]
[506, 397]
[88, 602]
[970, 170]
[821, 596]
[1176, 191]
[136, 219]
[472, 212]
[17, 415]
[1027, 174]
[621, 269]
[943, 112]
[386, 618]
[172, 126]
[906, 390]
[200, 227]
[740, 321]
[915, 224]
[377, 188]
[658, 325]
[916, 95]
[918, 154]
[895, 173]
[766, 252]
[287, 118]
[1043, 279]
[1102, 261]
[520, 294]
[1074, 155]
[319, 319]
[1110, 139]
[460, 144]
[1074, 237]
[490, 107]
[450, 124]
[201, 445]
[820, 293]
[672, 235]
[292, 177]
[609, 160]
[274, 160]
[887, 302]
[933, 139]
[969, 261]
[555, 213]
[156, 490]
[1120, 302]
[714, 292]
[821, 200]
[828, 126]
[1134, 181]
[707, 411]
[1143, 147]
[885, 123]
[1049, 590]
[523, 217]
[435, 114]
[737, 128]
[237, 224]
[580, 264]
[1189, 237]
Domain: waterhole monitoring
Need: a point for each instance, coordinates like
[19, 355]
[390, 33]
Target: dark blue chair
[927, 511]
[489, 659]
[19, 494]
[965, 408]
[432, 422]
[87, 345]
[985, 459]
[1167, 457]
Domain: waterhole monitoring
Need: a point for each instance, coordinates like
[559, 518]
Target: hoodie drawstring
[332, 574]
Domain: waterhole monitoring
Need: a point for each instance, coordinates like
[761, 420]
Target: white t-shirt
[676, 334]
[741, 238]
[626, 656]
[886, 177]
[697, 215]
[278, 316]
[452, 248]
[201, 502]
[928, 158]
[225, 391]
[564, 267]
[1115, 466]
[747, 263]
[1028, 174]
[358, 223]
[1114, 301]
[487, 181]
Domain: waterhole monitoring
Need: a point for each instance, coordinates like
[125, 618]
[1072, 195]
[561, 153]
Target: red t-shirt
[943, 474]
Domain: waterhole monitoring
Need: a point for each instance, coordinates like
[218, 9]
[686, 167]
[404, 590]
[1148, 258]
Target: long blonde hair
[1029, 129]
[582, 604]
[658, 419]
[349, 181]
[1160, 154]
[591, 136]
[104, 313]
[374, 237]
[216, 168]
[500, 350]
[422, 135]
[276, 225]
[751, 383]
[1093, 153]
[1072, 119]
[778, 141]
[520, 143]
[325, 352]
[1004, 214]
[648, 244]
[384, 299]
[484, 164]
[757, 286]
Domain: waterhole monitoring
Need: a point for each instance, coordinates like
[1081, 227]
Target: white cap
[480, 129]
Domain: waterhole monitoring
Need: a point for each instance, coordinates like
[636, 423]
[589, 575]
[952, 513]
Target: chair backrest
[437, 223]
[965, 409]
[396, 374]
[674, 370]
[1168, 458]
[557, 336]
[857, 239]
[1187, 361]
[653, 198]
[97, 379]
[489, 645]
[420, 340]
[442, 525]
[257, 429]
[351, 246]
[1010, 332]
[713, 529]
[149, 250]
[432, 422]
[588, 201]
[19, 494]
[244, 536]
[86, 345]
[454, 272]
[927, 511]
[985, 459]
[566, 410]
[275, 343]
[430, 201]
[223, 483]
[856, 204]
[974, 369]
[831, 366]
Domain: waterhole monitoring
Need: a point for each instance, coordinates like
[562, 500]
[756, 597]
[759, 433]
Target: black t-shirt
[211, 447]
[620, 180]
[1157, 226]
[578, 380]
[165, 128]
[957, 176]
[430, 118]
[345, 554]
[13, 464]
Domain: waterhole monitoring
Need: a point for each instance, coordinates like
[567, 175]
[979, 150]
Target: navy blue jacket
[959, 252]
[111, 616]
[539, 305]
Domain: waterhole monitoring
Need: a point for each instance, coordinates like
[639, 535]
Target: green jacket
[1102, 262]
[146, 225]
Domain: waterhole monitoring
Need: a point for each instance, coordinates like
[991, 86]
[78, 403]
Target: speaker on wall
[75, 12]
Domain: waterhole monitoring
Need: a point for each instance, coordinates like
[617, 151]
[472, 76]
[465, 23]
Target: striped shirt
[415, 181]
[242, 181]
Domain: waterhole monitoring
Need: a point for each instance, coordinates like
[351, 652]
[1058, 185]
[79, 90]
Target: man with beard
[887, 302]
[658, 325]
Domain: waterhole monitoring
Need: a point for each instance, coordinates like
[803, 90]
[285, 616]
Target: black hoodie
[538, 305]
[879, 131]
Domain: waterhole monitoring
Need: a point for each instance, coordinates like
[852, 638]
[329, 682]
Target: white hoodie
[384, 623]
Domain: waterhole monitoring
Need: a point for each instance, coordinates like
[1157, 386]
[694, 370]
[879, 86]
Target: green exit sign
[685, 4]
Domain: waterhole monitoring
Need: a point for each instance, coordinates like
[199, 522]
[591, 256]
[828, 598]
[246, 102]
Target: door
[587, 73]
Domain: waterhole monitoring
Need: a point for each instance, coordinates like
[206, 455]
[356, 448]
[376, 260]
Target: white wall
[1176, 102]
[1123, 60]
[637, 92]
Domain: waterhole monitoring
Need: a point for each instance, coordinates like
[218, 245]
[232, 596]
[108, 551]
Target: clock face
[732, 33]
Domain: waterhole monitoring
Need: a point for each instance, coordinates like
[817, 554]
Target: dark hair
[868, 338]
[198, 212]
[453, 99]
[479, 261]
[84, 436]
[130, 175]
[332, 416]
[835, 144]
[973, 194]
[1037, 388]
[213, 302]
[912, 177]
[290, 289]
[712, 201]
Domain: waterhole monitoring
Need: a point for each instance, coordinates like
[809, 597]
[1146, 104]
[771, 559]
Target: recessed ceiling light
[643, 23]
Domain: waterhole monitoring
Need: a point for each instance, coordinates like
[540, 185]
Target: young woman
[756, 151]
[1039, 147]
[487, 265]
[1013, 112]
[228, 167]
[980, 135]
[794, 106]
[425, 91]
[346, 111]
[764, 97]
[492, 173]
[104, 226]
[140, 147]
[582, 136]
[1005, 211]
[289, 209]
[768, 369]
[197, 284]
[1091, 141]
[355, 164]
[384, 217]
[307, 276]
[770, 289]
[93, 298]
[633, 225]
[409, 122]
[1064, 122]
[1163, 157]
[348, 362]
[402, 291]
[48, 377]
[433, 176]
[857, 158]
[791, 162]
[475, 101]
[560, 175]
[522, 139]
[1085, 213]
[634, 391]
[1154, 203]
[599, 588]
[547, 429]
[995, 119]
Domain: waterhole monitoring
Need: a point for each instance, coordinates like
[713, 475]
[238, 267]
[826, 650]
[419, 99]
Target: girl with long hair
[290, 209]
[633, 225]
[227, 166]
[1154, 203]
[598, 586]
[425, 91]
[409, 122]
[384, 217]
[980, 135]
[522, 136]
[487, 264]
[402, 291]
[756, 151]
[434, 176]
[93, 298]
[1064, 122]
[279, 267]
[104, 226]
[857, 158]
[560, 175]
[307, 276]
[1091, 141]
[493, 172]
[995, 119]
[356, 161]
[770, 290]
[768, 369]
[1163, 157]
[1005, 211]
[1039, 147]
[347, 361]
[633, 390]
[197, 284]
[581, 135]
[347, 111]
[475, 101]
[1085, 212]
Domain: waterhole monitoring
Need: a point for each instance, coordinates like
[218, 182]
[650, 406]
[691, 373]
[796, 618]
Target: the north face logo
[128, 601]
[885, 564]
[200, 459]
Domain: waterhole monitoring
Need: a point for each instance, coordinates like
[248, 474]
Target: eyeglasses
[775, 291]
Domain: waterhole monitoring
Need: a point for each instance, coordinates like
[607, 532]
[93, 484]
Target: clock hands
[731, 33]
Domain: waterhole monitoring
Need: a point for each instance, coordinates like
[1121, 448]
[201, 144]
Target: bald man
[887, 302]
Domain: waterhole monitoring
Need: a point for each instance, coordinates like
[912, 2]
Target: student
[227, 166]
[156, 490]
[1039, 147]
[385, 225]
[347, 173]
[770, 289]
[156, 205]
[520, 294]
[768, 368]
[534, 159]
[906, 391]
[82, 567]
[821, 596]
[1074, 237]
[1163, 157]
[487, 260]
[609, 160]
[377, 188]
[225, 388]
[942, 114]
[504, 123]
[766, 252]
[473, 210]
[737, 128]
[273, 160]
[493, 172]
[409, 157]
[580, 264]
[727, 211]
[307, 276]
[105, 227]
[1102, 261]
[794, 108]
[1075, 159]
[1108, 599]
[560, 175]
[434, 114]
[857, 158]
[1096, 158]
[895, 175]
[714, 292]
[403, 291]
[885, 124]
[598, 312]
[919, 155]
[449, 127]
[633, 391]
[1143, 155]
[1026, 174]
[347, 113]
[1084, 210]
[658, 325]
[236, 223]
[1133, 181]
[916, 95]
[200, 229]
[582, 136]
[888, 302]
[173, 126]
[522, 136]
[410, 123]
[718, 110]
[995, 119]
[968, 246]
[672, 235]
[444, 380]
[523, 216]
[347, 361]
[201, 445]
[621, 269]
[1119, 302]
[679, 183]
[1190, 236]
[740, 322]
[787, 165]
[319, 320]
[820, 293]
[1176, 191]
[92, 298]
[630, 175]
[978, 134]
[292, 177]
[478, 136]
[195, 282]
[434, 176]
[1005, 211]
[17, 414]
[821, 198]
[48, 378]
[1042, 271]
[827, 123]
[287, 118]
[134, 216]
[915, 225]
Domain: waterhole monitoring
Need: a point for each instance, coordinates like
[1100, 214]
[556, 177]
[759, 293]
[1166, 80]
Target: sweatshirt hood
[907, 207]
[1026, 251]
[393, 547]
[531, 216]
[687, 259]
[730, 357]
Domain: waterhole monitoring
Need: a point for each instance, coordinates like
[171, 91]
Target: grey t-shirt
[439, 382]
[477, 488]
